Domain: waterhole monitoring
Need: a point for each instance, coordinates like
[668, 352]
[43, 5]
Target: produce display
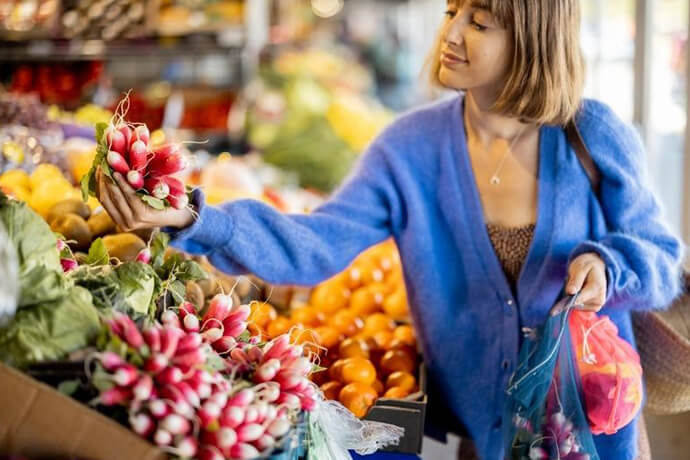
[178, 17]
[64, 83]
[105, 19]
[308, 118]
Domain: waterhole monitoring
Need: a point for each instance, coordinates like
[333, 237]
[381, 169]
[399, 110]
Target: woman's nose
[454, 32]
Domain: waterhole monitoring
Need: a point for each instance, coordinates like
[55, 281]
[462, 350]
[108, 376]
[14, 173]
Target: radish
[110, 361]
[170, 319]
[210, 453]
[213, 334]
[239, 313]
[242, 398]
[287, 381]
[219, 398]
[191, 323]
[271, 414]
[143, 388]
[232, 416]
[175, 424]
[164, 151]
[152, 336]
[166, 160]
[162, 437]
[278, 428]
[144, 257]
[301, 366]
[243, 451]
[170, 337]
[156, 363]
[180, 404]
[126, 133]
[142, 424]
[159, 408]
[277, 347]
[114, 396]
[252, 415]
[256, 355]
[267, 371]
[271, 393]
[125, 375]
[176, 187]
[261, 410]
[187, 447]
[239, 356]
[117, 162]
[234, 329]
[225, 344]
[138, 155]
[68, 265]
[209, 413]
[186, 308]
[189, 342]
[115, 140]
[249, 432]
[178, 201]
[189, 394]
[219, 308]
[169, 376]
[141, 133]
[290, 400]
[135, 179]
[157, 188]
[226, 437]
[265, 442]
[128, 330]
[190, 359]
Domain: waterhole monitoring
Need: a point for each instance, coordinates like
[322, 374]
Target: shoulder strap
[575, 139]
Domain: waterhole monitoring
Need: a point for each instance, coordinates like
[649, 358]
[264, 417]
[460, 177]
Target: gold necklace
[495, 178]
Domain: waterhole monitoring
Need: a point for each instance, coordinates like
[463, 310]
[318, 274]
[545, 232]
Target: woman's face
[475, 49]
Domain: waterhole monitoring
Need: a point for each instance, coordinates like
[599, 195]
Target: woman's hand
[128, 211]
[587, 274]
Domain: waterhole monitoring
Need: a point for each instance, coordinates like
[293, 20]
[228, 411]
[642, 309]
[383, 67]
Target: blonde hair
[546, 76]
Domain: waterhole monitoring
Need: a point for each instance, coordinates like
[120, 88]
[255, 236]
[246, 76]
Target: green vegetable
[51, 330]
[88, 182]
[137, 282]
[98, 253]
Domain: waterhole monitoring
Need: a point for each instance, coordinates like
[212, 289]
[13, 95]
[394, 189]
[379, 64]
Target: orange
[352, 278]
[307, 316]
[396, 393]
[301, 335]
[346, 322]
[364, 301]
[383, 339]
[395, 305]
[354, 348]
[255, 330]
[331, 390]
[371, 273]
[358, 370]
[261, 314]
[278, 326]
[358, 397]
[378, 322]
[330, 296]
[397, 344]
[327, 336]
[336, 370]
[378, 386]
[405, 334]
[403, 380]
[397, 360]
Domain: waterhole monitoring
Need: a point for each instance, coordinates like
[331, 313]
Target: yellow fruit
[395, 304]
[80, 162]
[330, 296]
[50, 192]
[15, 178]
[358, 397]
[93, 203]
[44, 173]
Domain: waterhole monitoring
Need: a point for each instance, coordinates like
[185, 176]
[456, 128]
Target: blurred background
[296, 89]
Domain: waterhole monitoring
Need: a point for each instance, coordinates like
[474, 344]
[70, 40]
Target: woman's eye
[450, 13]
[478, 26]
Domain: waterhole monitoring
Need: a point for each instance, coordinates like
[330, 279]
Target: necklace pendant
[495, 180]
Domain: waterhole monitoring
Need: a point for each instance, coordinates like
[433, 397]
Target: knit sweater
[416, 183]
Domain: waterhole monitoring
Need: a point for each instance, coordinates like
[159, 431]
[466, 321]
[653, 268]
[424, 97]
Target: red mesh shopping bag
[610, 372]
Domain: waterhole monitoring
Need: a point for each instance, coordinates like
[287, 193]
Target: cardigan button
[510, 302]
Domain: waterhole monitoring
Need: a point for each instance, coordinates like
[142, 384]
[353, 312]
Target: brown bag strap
[575, 139]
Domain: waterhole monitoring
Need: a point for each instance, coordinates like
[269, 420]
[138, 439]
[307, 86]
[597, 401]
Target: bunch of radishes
[176, 400]
[220, 325]
[147, 168]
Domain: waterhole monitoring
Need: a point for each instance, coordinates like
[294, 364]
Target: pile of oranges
[356, 321]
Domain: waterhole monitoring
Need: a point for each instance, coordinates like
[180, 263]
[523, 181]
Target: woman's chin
[452, 79]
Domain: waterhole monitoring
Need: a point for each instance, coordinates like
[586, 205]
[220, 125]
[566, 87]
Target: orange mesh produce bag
[610, 372]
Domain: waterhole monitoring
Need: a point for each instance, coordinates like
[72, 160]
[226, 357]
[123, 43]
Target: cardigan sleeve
[642, 255]
[247, 236]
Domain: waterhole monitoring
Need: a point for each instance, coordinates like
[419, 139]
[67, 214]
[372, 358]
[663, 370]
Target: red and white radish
[117, 162]
[135, 179]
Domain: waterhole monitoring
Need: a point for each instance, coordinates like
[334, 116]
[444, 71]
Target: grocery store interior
[272, 100]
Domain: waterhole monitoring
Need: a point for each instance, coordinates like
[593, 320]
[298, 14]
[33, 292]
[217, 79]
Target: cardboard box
[37, 420]
[408, 413]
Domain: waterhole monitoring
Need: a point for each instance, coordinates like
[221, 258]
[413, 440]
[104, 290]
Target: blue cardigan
[416, 184]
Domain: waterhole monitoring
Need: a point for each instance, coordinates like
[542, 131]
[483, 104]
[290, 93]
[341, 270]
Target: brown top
[511, 245]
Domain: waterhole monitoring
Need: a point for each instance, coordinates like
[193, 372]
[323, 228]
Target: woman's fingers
[107, 202]
[593, 295]
[120, 202]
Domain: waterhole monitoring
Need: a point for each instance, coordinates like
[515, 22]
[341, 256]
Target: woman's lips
[451, 60]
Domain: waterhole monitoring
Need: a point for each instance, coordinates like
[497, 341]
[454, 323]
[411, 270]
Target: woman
[487, 203]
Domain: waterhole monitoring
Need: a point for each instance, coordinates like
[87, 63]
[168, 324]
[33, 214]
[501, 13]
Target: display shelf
[229, 42]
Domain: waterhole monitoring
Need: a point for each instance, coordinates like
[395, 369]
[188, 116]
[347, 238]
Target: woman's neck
[487, 125]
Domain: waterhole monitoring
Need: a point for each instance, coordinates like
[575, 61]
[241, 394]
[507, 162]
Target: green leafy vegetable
[51, 330]
[98, 253]
[88, 182]
[158, 246]
[137, 282]
[152, 201]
